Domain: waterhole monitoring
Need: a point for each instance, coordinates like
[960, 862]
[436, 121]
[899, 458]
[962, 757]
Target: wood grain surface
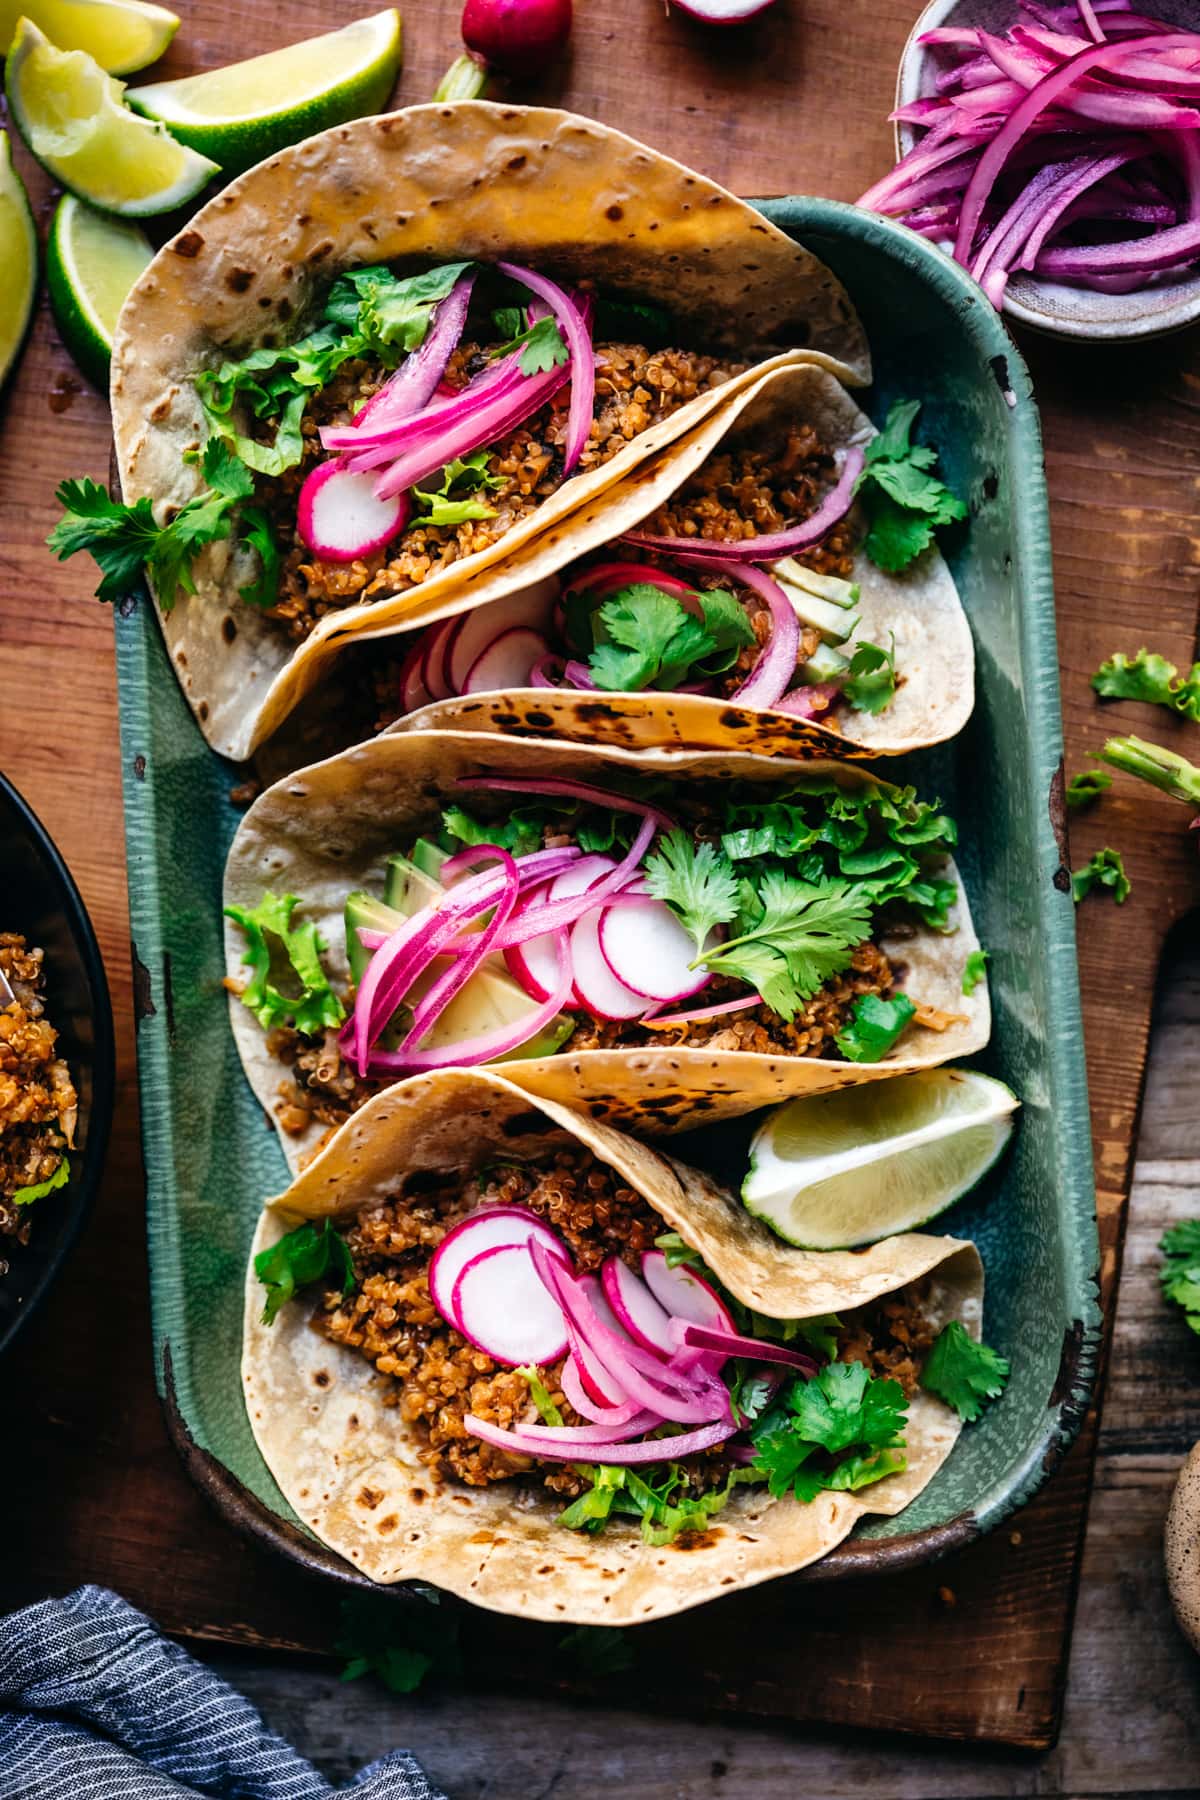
[795, 102]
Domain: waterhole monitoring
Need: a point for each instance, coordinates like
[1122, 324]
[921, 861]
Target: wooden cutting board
[974, 1647]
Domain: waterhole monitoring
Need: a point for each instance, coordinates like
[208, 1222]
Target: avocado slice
[372, 914]
[429, 858]
[825, 664]
[550, 1038]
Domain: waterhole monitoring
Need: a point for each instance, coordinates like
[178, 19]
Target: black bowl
[39, 899]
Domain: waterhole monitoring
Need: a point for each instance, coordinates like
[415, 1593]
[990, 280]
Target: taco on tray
[385, 358]
[661, 937]
[544, 1367]
[722, 596]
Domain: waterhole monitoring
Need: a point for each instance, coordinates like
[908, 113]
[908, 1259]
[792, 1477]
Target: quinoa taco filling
[420, 419]
[538, 916]
[38, 1105]
[541, 1324]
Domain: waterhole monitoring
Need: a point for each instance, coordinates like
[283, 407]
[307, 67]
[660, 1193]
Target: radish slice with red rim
[598, 988]
[530, 606]
[598, 1384]
[506, 662]
[534, 963]
[340, 517]
[413, 692]
[486, 1229]
[685, 1294]
[648, 951]
[646, 1322]
[580, 876]
[437, 651]
[504, 1309]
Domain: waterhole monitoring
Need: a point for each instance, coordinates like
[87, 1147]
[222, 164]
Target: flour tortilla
[430, 184]
[350, 1468]
[329, 828]
[920, 610]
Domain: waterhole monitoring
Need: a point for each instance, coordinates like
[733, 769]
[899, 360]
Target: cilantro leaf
[963, 1373]
[644, 637]
[804, 933]
[400, 1645]
[904, 501]
[1106, 870]
[851, 1473]
[696, 881]
[974, 971]
[843, 1408]
[509, 322]
[1148, 676]
[541, 344]
[875, 1024]
[37, 1190]
[598, 1649]
[306, 1255]
[257, 533]
[390, 311]
[1086, 788]
[316, 1007]
[1180, 1273]
[871, 684]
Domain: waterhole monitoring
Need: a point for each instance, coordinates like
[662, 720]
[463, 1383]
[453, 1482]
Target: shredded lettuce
[268, 926]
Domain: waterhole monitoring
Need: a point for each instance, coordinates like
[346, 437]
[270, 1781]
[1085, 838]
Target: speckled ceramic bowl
[40, 900]
[212, 1156]
[1053, 306]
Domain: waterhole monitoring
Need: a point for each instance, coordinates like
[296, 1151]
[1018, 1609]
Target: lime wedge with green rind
[241, 114]
[18, 260]
[69, 112]
[92, 261]
[832, 1171]
[122, 35]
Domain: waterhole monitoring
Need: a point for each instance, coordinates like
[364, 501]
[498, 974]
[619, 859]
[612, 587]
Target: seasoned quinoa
[436, 1378]
[37, 1099]
[635, 388]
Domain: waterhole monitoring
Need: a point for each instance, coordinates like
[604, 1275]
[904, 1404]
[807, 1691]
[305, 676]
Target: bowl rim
[95, 1151]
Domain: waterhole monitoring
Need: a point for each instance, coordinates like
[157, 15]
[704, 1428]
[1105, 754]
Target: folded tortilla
[918, 611]
[329, 828]
[427, 185]
[350, 1468]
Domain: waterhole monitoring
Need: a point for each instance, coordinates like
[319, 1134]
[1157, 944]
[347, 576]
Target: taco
[724, 596]
[390, 355]
[546, 1368]
[657, 937]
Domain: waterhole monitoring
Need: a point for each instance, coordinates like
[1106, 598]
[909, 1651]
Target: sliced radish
[584, 1391]
[504, 1309]
[598, 988]
[580, 876]
[483, 1230]
[531, 606]
[535, 962]
[723, 12]
[413, 692]
[506, 662]
[685, 1294]
[648, 950]
[647, 1323]
[438, 646]
[598, 1301]
[339, 516]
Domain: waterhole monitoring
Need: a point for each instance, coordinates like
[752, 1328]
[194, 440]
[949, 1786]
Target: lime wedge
[70, 114]
[831, 1171]
[92, 261]
[122, 35]
[240, 114]
[18, 259]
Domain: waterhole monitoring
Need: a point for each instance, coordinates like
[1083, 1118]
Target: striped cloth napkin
[96, 1705]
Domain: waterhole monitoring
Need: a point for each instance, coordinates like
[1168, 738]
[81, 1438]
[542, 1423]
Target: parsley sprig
[844, 1429]
[269, 932]
[298, 1260]
[127, 541]
[904, 500]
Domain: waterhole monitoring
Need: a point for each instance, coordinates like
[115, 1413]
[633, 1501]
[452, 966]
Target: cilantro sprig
[871, 683]
[642, 637]
[1180, 1272]
[128, 542]
[299, 1259]
[1106, 871]
[541, 344]
[874, 1026]
[905, 501]
[963, 1373]
[270, 932]
[1148, 676]
[843, 1429]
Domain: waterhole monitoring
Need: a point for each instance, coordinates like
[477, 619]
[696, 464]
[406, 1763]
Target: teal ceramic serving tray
[212, 1157]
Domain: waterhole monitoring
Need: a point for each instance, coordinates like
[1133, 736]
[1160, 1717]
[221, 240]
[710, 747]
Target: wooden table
[795, 102]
